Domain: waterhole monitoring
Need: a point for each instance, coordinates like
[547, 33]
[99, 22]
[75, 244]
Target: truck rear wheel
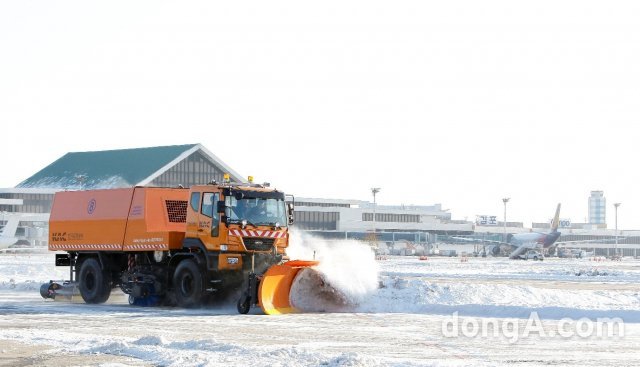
[94, 283]
[188, 284]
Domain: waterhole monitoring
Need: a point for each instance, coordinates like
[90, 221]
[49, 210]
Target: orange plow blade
[275, 286]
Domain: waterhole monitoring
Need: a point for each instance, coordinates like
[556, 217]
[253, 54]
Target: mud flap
[273, 294]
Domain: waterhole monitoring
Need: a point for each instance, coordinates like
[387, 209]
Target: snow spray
[347, 273]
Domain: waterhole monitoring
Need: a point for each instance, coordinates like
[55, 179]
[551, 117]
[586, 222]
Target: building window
[322, 205]
[391, 218]
[327, 221]
[194, 170]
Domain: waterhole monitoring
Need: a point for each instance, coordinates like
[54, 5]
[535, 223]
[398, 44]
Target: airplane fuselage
[544, 240]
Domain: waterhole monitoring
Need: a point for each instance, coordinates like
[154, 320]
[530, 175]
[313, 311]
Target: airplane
[520, 243]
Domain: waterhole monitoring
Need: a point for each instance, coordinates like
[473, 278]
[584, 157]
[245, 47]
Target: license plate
[232, 260]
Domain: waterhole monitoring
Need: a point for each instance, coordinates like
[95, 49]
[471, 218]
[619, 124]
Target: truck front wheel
[244, 304]
[188, 284]
[95, 283]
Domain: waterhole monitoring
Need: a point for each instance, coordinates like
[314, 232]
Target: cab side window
[207, 204]
[195, 201]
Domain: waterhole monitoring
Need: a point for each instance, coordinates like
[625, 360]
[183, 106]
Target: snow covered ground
[398, 323]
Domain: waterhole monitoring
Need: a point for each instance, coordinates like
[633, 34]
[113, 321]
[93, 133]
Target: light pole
[616, 205]
[374, 191]
[505, 201]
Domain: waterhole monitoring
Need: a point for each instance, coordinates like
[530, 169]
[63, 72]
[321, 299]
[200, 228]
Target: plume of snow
[348, 266]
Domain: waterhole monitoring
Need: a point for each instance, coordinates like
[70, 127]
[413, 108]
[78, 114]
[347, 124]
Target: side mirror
[221, 207]
[290, 213]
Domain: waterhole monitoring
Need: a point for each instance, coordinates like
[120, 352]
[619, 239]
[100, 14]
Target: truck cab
[229, 218]
[238, 224]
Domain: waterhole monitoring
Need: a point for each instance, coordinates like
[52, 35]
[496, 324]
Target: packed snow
[396, 310]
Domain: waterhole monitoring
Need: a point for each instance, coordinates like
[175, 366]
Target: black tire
[495, 250]
[244, 304]
[188, 284]
[94, 283]
[535, 258]
[44, 290]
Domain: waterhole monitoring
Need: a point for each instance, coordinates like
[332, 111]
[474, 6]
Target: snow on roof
[115, 168]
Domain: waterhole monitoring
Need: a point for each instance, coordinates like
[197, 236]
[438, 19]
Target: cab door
[209, 220]
[193, 214]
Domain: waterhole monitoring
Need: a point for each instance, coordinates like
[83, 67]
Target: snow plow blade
[273, 294]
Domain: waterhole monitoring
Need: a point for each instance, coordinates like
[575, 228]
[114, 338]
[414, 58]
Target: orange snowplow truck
[175, 245]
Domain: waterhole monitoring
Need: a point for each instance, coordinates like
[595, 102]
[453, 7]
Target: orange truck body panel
[132, 219]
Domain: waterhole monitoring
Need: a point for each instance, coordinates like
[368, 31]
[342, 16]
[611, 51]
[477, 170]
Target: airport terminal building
[336, 218]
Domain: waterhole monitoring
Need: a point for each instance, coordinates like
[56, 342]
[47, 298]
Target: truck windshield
[259, 211]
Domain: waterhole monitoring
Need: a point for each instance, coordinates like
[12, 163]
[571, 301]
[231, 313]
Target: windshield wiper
[239, 221]
[272, 224]
[249, 222]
